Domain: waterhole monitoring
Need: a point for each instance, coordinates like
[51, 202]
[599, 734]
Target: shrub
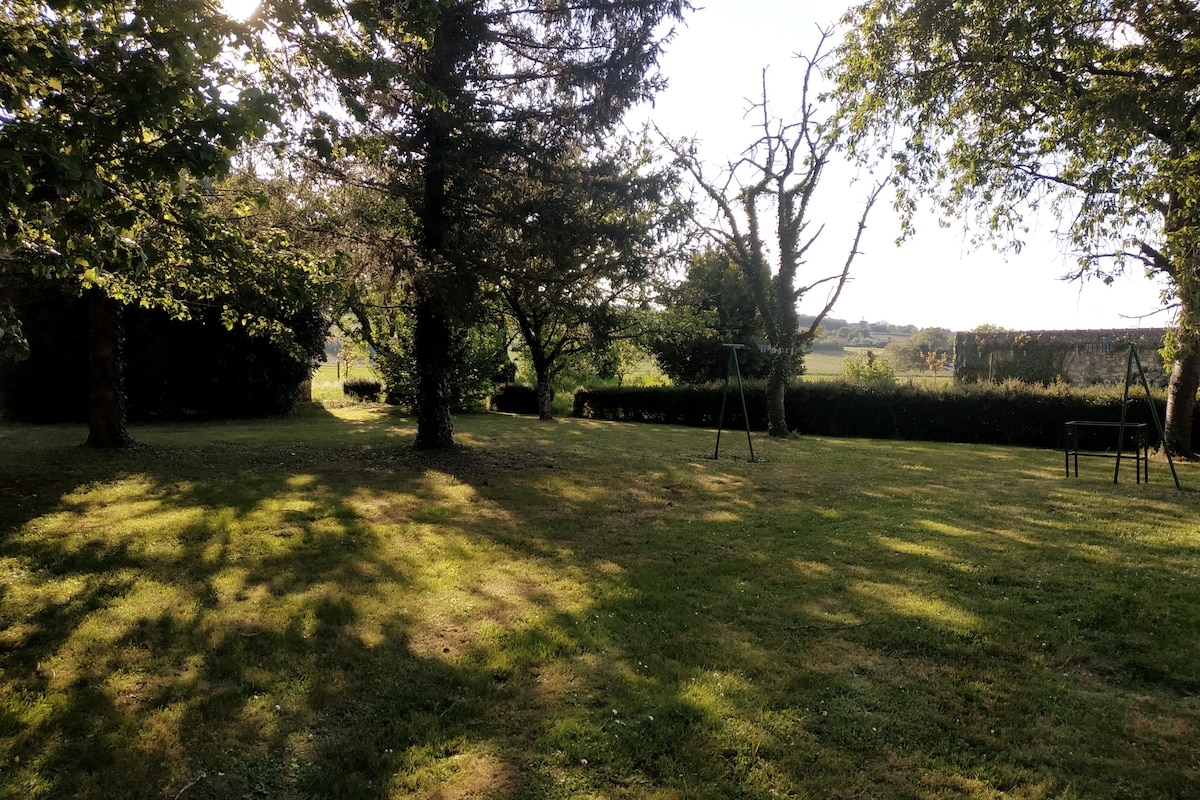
[867, 369]
[174, 369]
[515, 398]
[479, 359]
[363, 389]
[1013, 413]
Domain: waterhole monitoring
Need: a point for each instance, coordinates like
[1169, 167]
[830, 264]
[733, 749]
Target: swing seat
[1101, 445]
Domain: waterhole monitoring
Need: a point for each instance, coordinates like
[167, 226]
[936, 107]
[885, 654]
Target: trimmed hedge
[515, 398]
[1003, 414]
[173, 369]
[363, 389]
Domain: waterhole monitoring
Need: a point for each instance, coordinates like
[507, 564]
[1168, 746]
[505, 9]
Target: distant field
[824, 365]
[327, 384]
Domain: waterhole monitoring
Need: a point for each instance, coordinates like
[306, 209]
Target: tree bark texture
[777, 381]
[433, 334]
[106, 369]
[433, 341]
[1182, 390]
[545, 398]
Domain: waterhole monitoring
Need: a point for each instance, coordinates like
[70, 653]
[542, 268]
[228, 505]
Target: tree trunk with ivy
[1183, 387]
[769, 192]
[433, 354]
[106, 391]
[777, 384]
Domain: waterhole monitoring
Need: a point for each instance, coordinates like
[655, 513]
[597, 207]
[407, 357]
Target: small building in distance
[1081, 358]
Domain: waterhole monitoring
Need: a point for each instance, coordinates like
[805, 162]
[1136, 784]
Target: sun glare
[239, 9]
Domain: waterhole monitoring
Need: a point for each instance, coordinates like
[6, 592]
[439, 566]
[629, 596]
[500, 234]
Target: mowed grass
[304, 608]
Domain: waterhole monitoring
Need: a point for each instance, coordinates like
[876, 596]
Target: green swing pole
[724, 397]
[732, 362]
[1124, 410]
[1162, 436]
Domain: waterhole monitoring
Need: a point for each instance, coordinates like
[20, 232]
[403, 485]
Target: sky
[936, 278]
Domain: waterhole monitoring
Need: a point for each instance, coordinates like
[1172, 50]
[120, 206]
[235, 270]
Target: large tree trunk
[433, 351]
[545, 396]
[106, 371]
[433, 334]
[777, 381]
[1181, 392]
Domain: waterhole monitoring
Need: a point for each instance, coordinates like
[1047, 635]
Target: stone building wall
[1082, 358]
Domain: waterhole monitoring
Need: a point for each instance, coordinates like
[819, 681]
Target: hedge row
[363, 389]
[1005, 414]
[173, 369]
[514, 398]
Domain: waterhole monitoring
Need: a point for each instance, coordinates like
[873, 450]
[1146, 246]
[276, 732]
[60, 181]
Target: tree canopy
[111, 114]
[710, 307]
[1088, 108]
[437, 97]
[580, 239]
[116, 118]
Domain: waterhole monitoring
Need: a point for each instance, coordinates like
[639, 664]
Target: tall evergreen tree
[439, 93]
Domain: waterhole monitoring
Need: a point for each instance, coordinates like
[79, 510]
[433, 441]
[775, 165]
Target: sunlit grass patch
[307, 608]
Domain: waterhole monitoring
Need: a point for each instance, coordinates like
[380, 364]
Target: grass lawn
[303, 608]
[327, 381]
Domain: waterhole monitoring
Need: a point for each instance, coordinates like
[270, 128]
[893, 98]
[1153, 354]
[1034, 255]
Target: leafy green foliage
[13, 345]
[1087, 107]
[581, 238]
[113, 114]
[480, 358]
[1008, 413]
[868, 369]
[918, 350]
[445, 104]
[118, 119]
[711, 307]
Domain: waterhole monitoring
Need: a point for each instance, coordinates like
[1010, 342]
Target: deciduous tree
[113, 115]
[710, 307]
[922, 350]
[581, 239]
[1088, 107]
[439, 94]
[764, 224]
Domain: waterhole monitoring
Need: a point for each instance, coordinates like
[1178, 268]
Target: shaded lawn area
[303, 608]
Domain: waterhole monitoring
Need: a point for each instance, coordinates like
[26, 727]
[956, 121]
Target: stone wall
[1081, 358]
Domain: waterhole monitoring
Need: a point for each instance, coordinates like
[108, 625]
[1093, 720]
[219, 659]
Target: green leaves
[117, 116]
[1080, 103]
[12, 339]
[1087, 107]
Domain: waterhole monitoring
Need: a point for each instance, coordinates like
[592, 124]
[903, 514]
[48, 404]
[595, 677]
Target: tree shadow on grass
[343, 620]
[897, 642]
[184, 626]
